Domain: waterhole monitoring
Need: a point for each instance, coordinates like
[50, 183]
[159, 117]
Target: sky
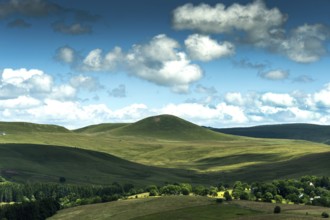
[214, 63]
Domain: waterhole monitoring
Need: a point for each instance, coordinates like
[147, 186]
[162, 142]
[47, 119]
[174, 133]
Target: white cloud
[21, 102]
[275, 75]
[275, 99]
[158, 61]
[93, 61]
[254, 18]
[202, 47]
[65, 54]
[257, 25]
[305, 44]
[34, 83]
[63, 92]
[85, 82]
[234, 98]
[322, 97]
[17, 77]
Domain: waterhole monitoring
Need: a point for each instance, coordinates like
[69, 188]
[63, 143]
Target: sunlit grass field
[190, 151]
[187, 207]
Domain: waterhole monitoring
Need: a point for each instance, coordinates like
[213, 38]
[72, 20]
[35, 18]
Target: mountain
[168, 127]
[308, 132]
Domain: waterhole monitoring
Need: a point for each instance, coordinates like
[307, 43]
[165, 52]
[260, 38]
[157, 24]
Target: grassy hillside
[168, 127]
[187, 152]
[19, 127]
[104, 127]
[309, 132]
[34, 163]
[187, 207]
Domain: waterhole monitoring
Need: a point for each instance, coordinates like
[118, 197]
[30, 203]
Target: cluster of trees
[42, 200]
[37, 210]
[309, 190]
[181, 189]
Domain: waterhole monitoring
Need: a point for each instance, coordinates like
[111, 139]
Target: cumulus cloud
[95, 60]
[322, 97]
[256, 25]
[159, 61]
[72, 29]
[255, 19]
[203, 48]
[275, 99]
[305, 44]
[275, 75]
[33, 82]
[234, 98]
[31, 94]
[21, 102]
[119, 92]
[18, 23]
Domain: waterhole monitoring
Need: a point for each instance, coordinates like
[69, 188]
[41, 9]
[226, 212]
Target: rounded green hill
[169, 127]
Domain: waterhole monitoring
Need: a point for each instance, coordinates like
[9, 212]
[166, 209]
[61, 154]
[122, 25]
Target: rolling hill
[187, 208]
[104, 127]
[35, 163]
[168, 127]
[308, 132]
[164, 147]
[19, 127]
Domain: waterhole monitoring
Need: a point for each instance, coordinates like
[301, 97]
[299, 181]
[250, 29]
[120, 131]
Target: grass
[187, 207]
[104, 127]
[168, 127]
[210, 159]
[308, 132]
[35, 163]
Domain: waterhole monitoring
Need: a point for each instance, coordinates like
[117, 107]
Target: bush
[277, 209]
[325, 215]
[227, 196]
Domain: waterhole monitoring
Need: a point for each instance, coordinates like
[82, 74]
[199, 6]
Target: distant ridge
[19, 127]
[168, 127]
[308, 132]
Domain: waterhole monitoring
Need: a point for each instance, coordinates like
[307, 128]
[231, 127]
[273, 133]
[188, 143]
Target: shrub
[277, 209]
[219, 200]
[325, 215]
[227, 196]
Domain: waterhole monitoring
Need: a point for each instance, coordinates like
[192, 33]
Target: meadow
[187, 207]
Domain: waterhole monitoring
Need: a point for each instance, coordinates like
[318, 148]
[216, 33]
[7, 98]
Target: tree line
[42, 200]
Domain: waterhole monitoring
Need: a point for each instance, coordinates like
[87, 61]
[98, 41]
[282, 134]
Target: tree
[278, 198]
[62, 179]
[227, 196]
[277, 209]
[325, 215]
[268, 197]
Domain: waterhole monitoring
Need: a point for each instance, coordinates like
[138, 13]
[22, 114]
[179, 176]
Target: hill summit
[168, 127]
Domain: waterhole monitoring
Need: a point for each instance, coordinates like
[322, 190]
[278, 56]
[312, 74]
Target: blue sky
[215, 63]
